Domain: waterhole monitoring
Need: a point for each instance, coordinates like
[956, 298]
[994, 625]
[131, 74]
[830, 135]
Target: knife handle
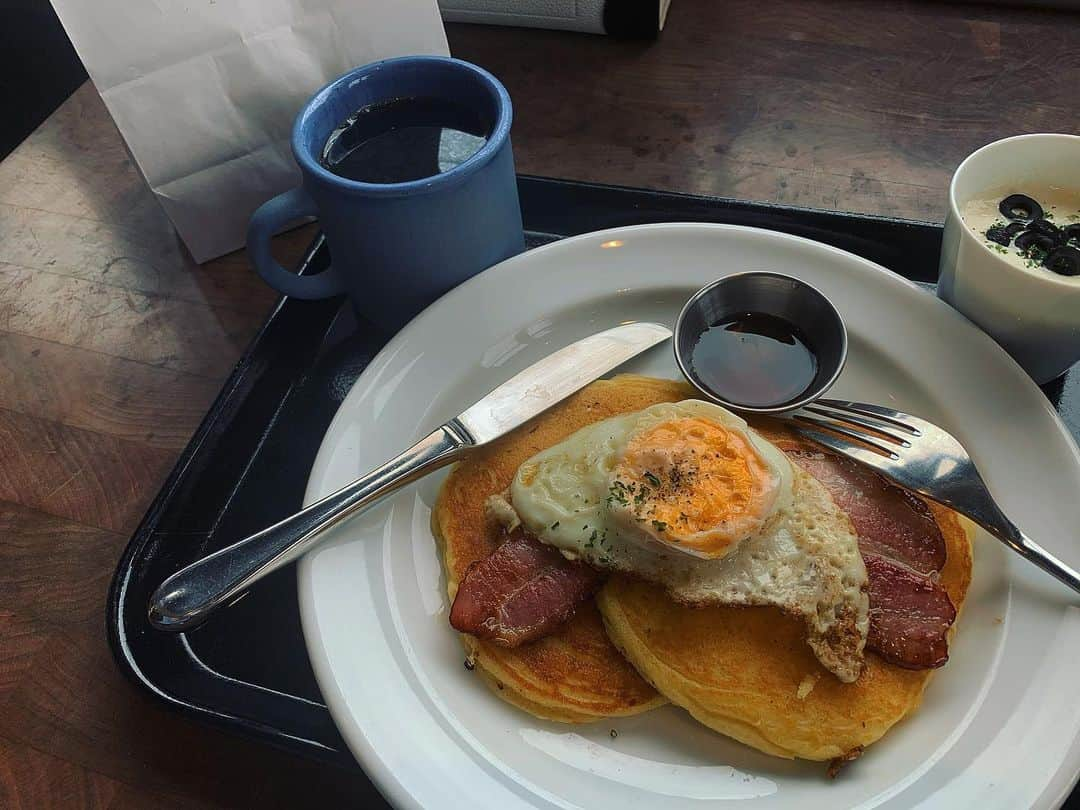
[185, 599]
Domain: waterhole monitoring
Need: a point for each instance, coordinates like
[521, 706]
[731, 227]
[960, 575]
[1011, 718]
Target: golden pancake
[575, 675]
[748, 672]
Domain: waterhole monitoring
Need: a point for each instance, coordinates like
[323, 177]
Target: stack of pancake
[746, 672]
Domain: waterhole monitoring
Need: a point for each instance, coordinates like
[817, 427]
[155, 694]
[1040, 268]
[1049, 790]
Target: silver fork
[923, 458]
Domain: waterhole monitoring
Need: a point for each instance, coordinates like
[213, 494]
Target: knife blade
[189, 596]
[557, 376]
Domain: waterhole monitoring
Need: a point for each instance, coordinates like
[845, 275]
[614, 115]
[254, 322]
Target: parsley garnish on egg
[617, 494]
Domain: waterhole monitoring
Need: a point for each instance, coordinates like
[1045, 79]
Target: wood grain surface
[113, 342]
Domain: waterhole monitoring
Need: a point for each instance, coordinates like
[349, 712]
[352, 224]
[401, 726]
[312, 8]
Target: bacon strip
[520, 592]
[890, 521]
[910, 615]
[902, 547]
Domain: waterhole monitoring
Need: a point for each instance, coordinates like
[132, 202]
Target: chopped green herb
[555, 525]
[652, 479]
[617, 494]
[659, 525]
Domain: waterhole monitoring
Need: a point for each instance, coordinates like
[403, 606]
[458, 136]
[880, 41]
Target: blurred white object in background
[625, 18]
[205, 92]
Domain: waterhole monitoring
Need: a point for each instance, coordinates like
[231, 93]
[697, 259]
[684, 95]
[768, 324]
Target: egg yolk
[694, 484]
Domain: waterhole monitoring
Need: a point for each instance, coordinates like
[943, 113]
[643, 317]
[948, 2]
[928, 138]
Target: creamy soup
[1036, 229]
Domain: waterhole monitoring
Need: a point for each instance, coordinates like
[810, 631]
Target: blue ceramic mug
[395, 247]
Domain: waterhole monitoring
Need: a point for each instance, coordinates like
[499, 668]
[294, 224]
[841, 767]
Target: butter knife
[185, 599]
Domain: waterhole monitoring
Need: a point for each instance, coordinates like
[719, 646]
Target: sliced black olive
[1020, 207]
[1030, 240]
[1003, 234]
[1063, 260]
[1071, 233]
[1046, 228]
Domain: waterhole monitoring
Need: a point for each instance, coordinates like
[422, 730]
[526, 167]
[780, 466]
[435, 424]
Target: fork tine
[897, 419]
[847, 418]
[861, 440]
[871, 458]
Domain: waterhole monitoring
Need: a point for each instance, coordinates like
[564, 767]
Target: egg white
[804, 560]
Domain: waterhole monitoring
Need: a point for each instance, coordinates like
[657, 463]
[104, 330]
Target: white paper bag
[204, 92]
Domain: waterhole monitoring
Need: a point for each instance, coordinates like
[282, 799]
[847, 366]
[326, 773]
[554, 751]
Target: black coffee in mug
[404, 139]
[396, 247]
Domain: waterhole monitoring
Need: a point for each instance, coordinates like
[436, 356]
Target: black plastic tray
[247, 669]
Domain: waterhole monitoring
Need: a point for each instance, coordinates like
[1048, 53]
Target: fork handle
[1007, 532]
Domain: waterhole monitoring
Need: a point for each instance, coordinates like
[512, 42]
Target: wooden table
[113, 343]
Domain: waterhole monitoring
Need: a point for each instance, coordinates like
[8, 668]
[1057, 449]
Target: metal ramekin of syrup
[760, 342]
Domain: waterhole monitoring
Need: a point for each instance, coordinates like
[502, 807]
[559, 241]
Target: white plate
[999, 726]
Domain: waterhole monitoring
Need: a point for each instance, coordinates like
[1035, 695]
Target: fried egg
[686, 494]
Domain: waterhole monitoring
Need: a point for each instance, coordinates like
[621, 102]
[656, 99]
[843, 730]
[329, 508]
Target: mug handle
[265, 222]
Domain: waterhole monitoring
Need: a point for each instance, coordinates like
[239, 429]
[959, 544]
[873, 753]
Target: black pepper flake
[469, 665]
[613, 734]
